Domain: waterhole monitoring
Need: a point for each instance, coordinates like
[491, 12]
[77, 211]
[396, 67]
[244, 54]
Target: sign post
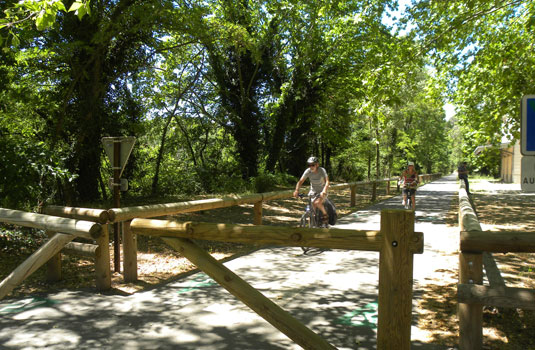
[118, 150]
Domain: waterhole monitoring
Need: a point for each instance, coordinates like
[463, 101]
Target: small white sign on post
[527, 174]
[127, 144]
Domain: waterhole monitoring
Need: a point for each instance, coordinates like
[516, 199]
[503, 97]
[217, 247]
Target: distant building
[510, 161]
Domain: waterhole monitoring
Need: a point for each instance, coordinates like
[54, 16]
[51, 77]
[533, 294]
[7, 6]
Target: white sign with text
[527, 174]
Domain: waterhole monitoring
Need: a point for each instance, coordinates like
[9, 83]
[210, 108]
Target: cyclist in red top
[409, 181]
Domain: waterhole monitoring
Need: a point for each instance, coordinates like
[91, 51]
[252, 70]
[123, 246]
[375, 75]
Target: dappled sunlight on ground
[503, 207]
[435, 275]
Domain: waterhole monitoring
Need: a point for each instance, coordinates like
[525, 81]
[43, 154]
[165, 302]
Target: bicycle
[408, 202]
[312, 218]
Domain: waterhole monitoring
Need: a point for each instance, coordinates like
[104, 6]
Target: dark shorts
[409, 191]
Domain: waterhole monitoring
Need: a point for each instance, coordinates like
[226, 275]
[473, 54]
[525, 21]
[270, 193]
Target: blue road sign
[528, 125]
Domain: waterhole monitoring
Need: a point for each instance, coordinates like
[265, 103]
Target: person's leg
[413, 197]
[404, 191]
[318, 203]
[466, 184]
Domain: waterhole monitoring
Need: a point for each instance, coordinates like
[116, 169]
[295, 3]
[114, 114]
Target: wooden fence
[476, 248]
[98, 247]
[61, 232]
[127, 214]
[396, 243]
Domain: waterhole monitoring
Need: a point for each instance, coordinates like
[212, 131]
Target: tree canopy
[228, 96]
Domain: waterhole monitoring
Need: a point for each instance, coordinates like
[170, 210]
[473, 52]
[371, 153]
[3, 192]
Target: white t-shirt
[317, 179]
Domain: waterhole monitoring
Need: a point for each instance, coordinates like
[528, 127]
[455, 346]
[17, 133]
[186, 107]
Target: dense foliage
[484, 53]
[222, 96]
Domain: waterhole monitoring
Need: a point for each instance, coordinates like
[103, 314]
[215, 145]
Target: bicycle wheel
[307, 221]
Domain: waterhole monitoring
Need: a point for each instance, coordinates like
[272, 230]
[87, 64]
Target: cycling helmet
[312, 160]
[410, 163]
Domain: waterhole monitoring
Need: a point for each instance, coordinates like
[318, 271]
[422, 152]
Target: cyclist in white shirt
[319, 184]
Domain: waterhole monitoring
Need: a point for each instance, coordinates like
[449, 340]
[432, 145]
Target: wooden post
[53, 266]
[257, 213]
[129, 253]
[271, 312]
[36, 260]
[470, 315]
[395, 280]
[353, 195]
[102, 261]
[388, 187]
[374, 191]
[116, 203]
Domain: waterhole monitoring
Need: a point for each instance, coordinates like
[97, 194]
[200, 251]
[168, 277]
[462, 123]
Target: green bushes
[267, 182]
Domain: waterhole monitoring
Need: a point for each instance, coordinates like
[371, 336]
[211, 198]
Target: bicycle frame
[408, 202]
[311, 216]
[311, 219]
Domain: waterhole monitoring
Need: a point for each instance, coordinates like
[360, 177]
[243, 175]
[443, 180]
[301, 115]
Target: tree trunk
[159, 158]
[377, 155]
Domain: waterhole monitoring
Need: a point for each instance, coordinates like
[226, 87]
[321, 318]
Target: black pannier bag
[331, 210]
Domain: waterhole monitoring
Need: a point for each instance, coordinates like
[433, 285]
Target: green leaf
[45, 20]
[75, 6]
[15, 41]
[81, 12]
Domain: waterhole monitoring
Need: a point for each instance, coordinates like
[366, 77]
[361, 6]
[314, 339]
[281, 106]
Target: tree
[89, 61]
[483, 49]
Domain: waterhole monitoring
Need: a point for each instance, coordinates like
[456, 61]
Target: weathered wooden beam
[264, 307]
[353, 190]
[395, 280]
[53, 265]
[87, 214]
[271, 235]
[147, 211]
[268, 196]
[129, 253]
[505, 297]
[257, 210]
[36, 260]
[491, 271]
[498, 241]
[79, 228]
[468, 220]
[102, 261]
[470, 314]
[150, 211]
[82, 249]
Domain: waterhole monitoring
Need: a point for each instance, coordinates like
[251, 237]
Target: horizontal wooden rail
[496, 296]
[87, 214]
[147, 211]
[498, 241]
[79, 228]
[271, 235]
[155, 210]
[470, 315]
[268, 196]
[83, 249]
